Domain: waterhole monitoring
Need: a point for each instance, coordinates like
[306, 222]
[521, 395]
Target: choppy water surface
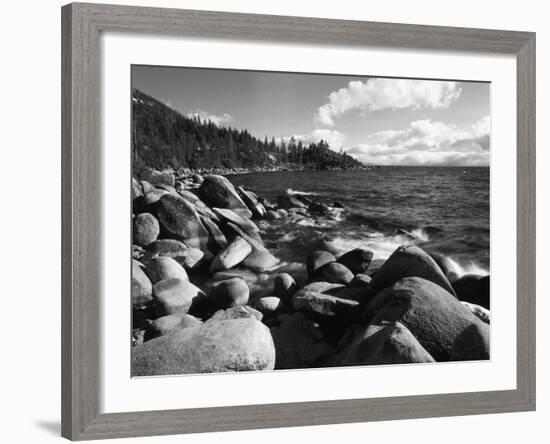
[446, 209]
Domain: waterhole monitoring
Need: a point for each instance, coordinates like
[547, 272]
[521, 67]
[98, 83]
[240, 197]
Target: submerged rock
[222, 346]
[410, 261]
[285, 202]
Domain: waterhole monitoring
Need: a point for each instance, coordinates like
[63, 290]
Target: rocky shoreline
[209, 296]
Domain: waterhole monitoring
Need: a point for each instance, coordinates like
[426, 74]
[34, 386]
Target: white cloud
[335, 139]
[378, 94]
[427, 142]
[205, 116]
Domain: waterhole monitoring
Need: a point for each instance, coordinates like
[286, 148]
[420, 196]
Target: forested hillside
[164, 138]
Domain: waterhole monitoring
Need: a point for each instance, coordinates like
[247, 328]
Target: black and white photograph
[285, 221]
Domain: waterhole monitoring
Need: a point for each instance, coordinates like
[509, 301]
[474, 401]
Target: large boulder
[229, 293]
[284, 286]
[384, 343]
[217, 191]
[175, 296]
[142, 288]
[409, 261]
[357, 261]
[179, 219]
[474, 289]
[472, 344]
[335, 273]
[433, 315]
[146, 229]
[160, 268]
[243, 344]
[299, 343]
[323, 306]
[231, 255]
[316, 260]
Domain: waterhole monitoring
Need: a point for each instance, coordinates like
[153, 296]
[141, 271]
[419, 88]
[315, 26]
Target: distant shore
[277, 169]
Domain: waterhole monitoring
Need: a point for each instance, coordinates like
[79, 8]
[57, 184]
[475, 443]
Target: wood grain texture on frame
[81, 230]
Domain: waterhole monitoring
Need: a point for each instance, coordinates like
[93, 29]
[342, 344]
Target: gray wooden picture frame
[81, 167]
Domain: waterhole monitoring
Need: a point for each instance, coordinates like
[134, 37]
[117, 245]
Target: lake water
[445, 208]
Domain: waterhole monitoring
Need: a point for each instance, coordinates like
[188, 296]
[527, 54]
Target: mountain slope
[164, 138]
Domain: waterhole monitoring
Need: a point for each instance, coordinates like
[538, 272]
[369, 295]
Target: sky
[382, 121]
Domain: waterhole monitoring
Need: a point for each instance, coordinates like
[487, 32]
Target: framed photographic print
[280, 221]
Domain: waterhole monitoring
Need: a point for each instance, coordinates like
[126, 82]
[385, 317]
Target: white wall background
[30, 220]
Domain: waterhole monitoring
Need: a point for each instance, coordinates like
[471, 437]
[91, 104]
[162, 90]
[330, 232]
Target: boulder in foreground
[410, 261]
[243, 344]
[384, 343]
[434, 316]
[299, 343]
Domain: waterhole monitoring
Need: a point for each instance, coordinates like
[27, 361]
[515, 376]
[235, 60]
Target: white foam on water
[420, 234]
[381, 246]
[292, 192]
[469, 268]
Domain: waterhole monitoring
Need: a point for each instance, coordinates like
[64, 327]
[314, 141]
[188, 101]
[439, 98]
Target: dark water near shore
[446, 208]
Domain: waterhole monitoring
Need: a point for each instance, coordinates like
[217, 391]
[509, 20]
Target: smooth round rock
[180, 220]
[410, 261]
[232, 255]
[284, 286]
[357, 261]
[229, 293]
[160, 268]
[146, 229]
[316, 260]
[142, 288]
[268, 305]
[175, 296]
[335, 273]
[223, 346]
